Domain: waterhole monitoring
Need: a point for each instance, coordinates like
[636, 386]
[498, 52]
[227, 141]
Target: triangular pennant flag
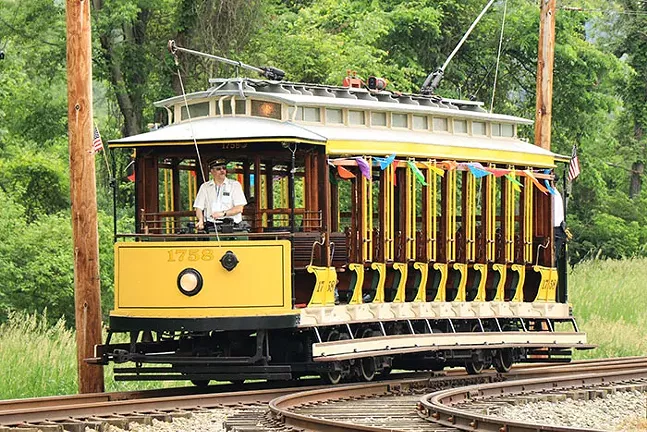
[498, 172]
[551, 190]
[449, 165]
[437, 170]
[364, 167]
[477, 170]
[516, 184]
[535, 181]
[384, 162]
[419, 176]
[344, 173]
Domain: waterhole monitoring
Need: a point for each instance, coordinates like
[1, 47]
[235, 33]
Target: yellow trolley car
[384, 230]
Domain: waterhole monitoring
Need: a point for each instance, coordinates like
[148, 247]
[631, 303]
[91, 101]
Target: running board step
[404, 344]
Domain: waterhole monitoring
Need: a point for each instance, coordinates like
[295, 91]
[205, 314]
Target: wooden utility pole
[545, 60]
[87, 297]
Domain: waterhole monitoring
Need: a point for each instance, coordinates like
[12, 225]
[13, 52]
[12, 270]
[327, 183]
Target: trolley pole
[545, 61]
[85, 231]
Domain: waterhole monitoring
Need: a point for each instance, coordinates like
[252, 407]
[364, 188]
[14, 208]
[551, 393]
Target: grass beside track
[40, 360]
[609, 305]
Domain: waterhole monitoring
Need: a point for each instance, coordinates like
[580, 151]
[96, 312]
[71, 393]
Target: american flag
[574, 166]
[97, 144]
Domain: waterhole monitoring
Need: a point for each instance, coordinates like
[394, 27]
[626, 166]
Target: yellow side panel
[326, 280]
[441, 295]
[500, 295]
[462, 270]
[518, 290]
[146, 278]
[482, 268]
[421, 294]
[359, 283]
[548, 285]
[381, 271]
[400, 294]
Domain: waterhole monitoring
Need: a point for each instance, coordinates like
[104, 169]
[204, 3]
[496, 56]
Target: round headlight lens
[189, 281]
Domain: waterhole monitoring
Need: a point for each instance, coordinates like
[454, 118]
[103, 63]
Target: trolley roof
[348, 121]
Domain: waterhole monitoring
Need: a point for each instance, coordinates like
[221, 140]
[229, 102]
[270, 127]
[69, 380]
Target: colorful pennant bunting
[437, 170]
[498, 172]
[477, 169]
[384, 162]
[551, 190]
[532, 177]
[416, 172]
[448, 165]
[516, 184]
[364, 167]
[344, 173]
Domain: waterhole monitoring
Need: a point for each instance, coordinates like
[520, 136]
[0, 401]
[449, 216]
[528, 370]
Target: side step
[200, 373]
[405, 344]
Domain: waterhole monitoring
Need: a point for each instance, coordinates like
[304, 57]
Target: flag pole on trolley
[97, 146]
[573, 166]
[571, 173]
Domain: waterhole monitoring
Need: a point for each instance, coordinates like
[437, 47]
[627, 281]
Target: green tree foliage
[37, 262]
[38, 181]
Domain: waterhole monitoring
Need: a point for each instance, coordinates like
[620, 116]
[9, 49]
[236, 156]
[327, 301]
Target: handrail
[278, 234]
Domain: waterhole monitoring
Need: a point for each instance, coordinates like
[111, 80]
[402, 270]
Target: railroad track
[362, 408]
[466, 408]
[354, 407]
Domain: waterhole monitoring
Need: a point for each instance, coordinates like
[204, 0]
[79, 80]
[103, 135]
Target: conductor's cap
[217, 162]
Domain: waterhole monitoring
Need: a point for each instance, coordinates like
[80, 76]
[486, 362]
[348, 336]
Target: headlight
[189, 281]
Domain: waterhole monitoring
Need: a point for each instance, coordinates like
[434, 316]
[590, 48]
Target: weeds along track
[387, 405]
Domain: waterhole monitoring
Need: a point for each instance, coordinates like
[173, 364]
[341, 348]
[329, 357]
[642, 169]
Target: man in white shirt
[559, 224]
[219, 198]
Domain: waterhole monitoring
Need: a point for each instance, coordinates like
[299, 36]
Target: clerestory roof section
[325, 96]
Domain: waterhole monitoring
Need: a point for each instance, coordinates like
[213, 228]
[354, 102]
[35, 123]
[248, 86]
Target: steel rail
[60, 413]
[37, 403]
[282, 408]
[439, 407]
[63, 408]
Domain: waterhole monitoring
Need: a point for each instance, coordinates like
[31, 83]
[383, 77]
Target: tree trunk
[637, 170]
[129, 101]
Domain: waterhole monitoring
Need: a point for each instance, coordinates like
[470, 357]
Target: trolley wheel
[332, 377]
[474, 367]
[200, 383]
[503, 360]
[367, 368]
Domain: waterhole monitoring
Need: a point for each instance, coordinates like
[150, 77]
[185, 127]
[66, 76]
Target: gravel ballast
[621, 411]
